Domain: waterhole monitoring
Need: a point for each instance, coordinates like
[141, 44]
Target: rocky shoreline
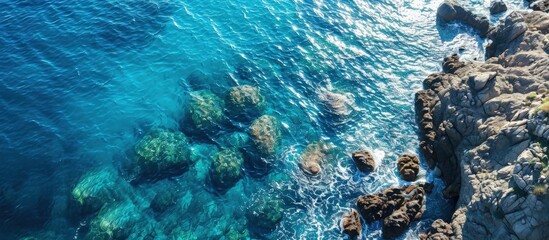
[484, 125]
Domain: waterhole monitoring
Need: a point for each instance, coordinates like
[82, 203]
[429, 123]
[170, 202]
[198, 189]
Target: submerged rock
[351, 224]
[117, 221]
[408, 167]
[497, 6]
[338, 105]
[265, 213]
[206, 111]
[245, 102]
[235, 140]
[314, 156]
[98, 188]
[163, 200]
[265, 134]
[226, 168]
[364, 160]
[162, 153]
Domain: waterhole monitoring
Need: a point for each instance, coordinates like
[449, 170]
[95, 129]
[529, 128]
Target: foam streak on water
[82, 81]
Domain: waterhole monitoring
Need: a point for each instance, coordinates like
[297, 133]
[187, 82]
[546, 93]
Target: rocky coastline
[484, 125]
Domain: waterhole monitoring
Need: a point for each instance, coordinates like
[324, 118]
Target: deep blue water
[81, 82]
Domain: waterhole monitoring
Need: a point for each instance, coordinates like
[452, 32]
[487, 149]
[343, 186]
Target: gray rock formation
[450, 11]
[486, 127]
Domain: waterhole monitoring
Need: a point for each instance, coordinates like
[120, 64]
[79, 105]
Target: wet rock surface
[408, 167]
[364, 161]
[484, 126]
[398, 207]
[351, 224]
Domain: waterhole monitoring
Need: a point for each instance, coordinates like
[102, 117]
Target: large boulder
[408, 167]
[314, 156]
[351, 224]
[364, 160]
[206, 111]
[371, 207]
[450, 11]
[245, 102]
[162, 153]
[226, 168]
[265, 134]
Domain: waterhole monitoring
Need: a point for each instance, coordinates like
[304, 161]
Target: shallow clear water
[82, 81]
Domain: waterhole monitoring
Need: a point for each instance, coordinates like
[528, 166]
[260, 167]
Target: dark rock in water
[226, 168]
[408, 167]
[162, 153]
[452, 63]
[364, 160]
[497, 6]
[428, 186]
[399, 206]
[450, 10]
[439, 230]
[265, 213]
[265, 134]
[314, 156]
[395, 224]
[244, 102]
[371, 207]
[351, 224]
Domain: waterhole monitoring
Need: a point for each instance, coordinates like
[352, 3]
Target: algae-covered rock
[266, 212]
[265, 134]
[162, 152]
[314, 156]
[245, 102]
[97, 188]
[226, 168]
[206, 111]
[115, 221]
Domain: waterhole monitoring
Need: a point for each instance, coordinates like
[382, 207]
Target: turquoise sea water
[81, 82]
